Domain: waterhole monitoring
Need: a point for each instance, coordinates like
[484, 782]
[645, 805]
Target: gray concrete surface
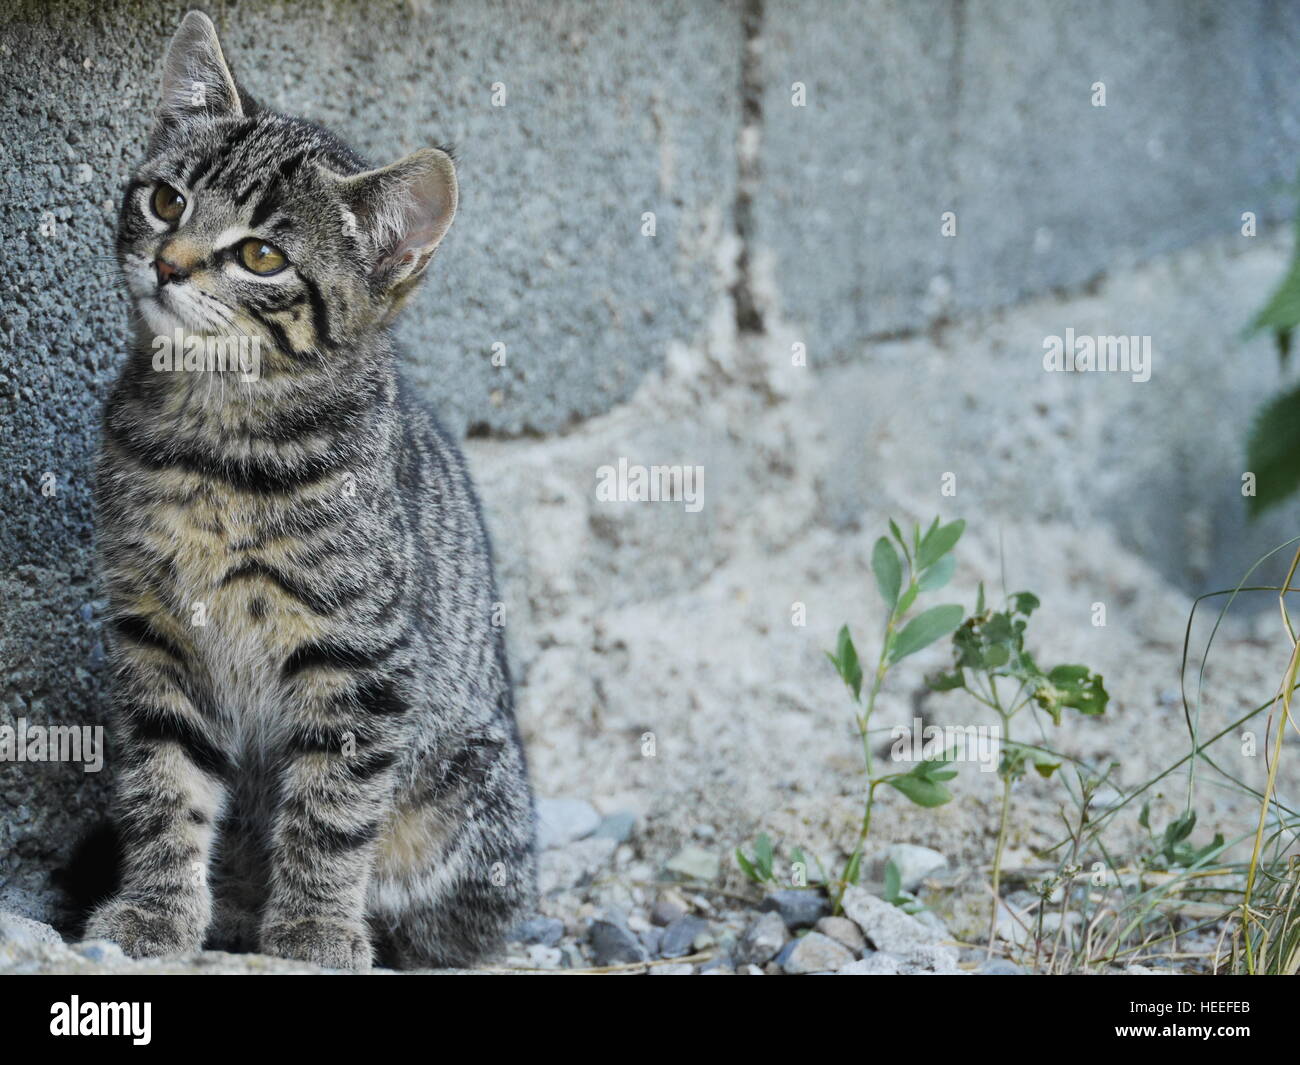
[984, 108]
[826, 217]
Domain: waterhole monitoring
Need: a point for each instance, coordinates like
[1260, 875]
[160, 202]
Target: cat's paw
[332, 944]
[142, 932]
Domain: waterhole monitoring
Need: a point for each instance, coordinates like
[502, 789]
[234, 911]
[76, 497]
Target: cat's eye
[167, 203]
[261, 257]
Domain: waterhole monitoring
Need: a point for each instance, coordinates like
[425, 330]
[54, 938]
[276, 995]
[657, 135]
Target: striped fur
[313, 717]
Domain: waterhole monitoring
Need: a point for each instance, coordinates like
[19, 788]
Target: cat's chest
[234, 571]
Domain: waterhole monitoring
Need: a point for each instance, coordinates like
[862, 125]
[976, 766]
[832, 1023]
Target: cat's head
[244, 222]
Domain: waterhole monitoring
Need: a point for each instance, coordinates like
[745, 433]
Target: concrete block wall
[823, 218]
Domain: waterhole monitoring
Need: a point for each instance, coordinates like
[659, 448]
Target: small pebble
[612, 944]
[762, 940]
[547, 931]
[679, 937]
[843, 931]
[799, 909]
[816, 953]
[667, 910]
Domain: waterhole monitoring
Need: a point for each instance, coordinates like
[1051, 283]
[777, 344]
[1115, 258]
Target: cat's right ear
[197, 83]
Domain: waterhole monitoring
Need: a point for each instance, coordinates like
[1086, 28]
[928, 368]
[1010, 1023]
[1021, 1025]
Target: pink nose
[168, 272]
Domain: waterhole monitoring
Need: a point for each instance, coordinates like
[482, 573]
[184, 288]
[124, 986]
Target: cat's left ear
[404, 210]
[196, 79]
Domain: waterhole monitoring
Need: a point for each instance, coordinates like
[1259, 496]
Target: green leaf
[924, 784]
[938, 575]
[845, 661]
[898, 535]
[908, 598]
[1144, 818]
[893, 881]
[938, 542]
[1025, 603]
[946, 682]
[747, 867]
[1273, 452]
[979, 600]
[1044, 765]
[924, 629]
[888, 571]
[1072, 686]
[853, 869]
[1080, 689]
[1215, 845]
[763, 855]
[1282, 312]
[1182, 828]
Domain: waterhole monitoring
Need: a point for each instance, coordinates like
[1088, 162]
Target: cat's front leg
[170, 793]
[335, 795]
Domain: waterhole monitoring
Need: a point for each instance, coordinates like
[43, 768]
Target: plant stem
[997, 857]
[864, 729]
[856, 856]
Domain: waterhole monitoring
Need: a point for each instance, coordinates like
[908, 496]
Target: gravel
[547, 931]
[799, 909]
[843, 931]
[564, 821]
[680, 937]
[762, 939]
[815, 953]
[613, 944]
[693, 863]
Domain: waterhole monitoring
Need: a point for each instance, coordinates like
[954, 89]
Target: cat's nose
[168, 272]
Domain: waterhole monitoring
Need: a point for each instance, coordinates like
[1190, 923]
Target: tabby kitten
[312, 707]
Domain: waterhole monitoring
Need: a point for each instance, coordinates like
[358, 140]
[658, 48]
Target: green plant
[1273, 444]
[894, 893]
[902, 573]
[989, 647]
[1171, 849]
[758, 866]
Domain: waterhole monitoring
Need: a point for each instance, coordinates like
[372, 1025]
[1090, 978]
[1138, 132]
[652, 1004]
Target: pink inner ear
[425, 222]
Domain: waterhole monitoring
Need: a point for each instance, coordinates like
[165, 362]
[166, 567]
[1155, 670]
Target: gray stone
[613, 944]
[544, 957]
[680, 936]
[874, 964]
[666, 910]
[617, 826]
[799, 909]
[17, 931]
[672, 970]
[919, 947]
[816, 953]
[564, 821]
[886, 927]
[574, 865]
[98, 950]
[762, 940]
[547, 931]
[844, 931]
[693, 863]
[652, 939]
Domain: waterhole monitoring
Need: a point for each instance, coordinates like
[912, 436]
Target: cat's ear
[196, 80]
[404, 210]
